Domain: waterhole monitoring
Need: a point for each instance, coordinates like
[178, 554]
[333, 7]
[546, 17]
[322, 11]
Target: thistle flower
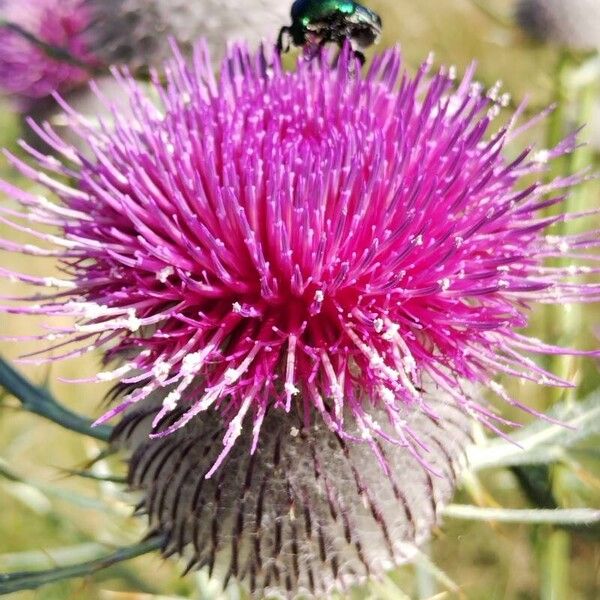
[136, 32]
[306, 277]
[572, 23]
[27, 71]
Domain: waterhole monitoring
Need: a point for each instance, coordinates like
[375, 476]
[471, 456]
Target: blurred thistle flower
[29, 72]
[137, 32]
[134, 33]
[572, 23]
[306, 278]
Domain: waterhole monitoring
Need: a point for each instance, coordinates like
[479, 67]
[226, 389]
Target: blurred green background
[47, 518]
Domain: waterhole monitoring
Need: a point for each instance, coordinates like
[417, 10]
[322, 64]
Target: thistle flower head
[29, 33]
[316, 241]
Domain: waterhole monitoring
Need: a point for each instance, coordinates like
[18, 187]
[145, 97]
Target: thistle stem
[558, 516]
[30, 580]
[40, 402]
[555, 561]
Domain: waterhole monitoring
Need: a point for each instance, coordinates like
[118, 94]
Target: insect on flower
[316, 23]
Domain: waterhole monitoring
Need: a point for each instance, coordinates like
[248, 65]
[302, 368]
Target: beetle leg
[361, 57]
[284, 31]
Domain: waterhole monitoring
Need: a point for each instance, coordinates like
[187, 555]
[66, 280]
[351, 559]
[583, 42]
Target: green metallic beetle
[316, 23]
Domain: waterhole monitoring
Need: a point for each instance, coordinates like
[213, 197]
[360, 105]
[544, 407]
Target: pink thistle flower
[315, 253]
[27, 72]
[316, 238]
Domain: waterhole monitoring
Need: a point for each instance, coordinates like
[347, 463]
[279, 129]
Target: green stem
[558, 516]
[94, 477]
[554, 570]
[31, 580]
[40, 402]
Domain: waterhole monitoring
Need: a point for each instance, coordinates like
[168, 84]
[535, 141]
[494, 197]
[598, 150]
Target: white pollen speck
[375, 360]
[391, 332]
[111, 375]
[230, 376]
[445, 283]
[319, 296]
[89, 310]
[497, 388]
[563, 246]
[493, 94]
[164, 274]
[132, 323]
[191, 363]
[378, 325]
[387, 395]
[459, 241]
[409, 364]
[541, 156]
[236, 307]
[493, 112]
[291, 389]
[294, 432]
[161, 370]
[171, 399]
[454, 105]
[55, 282]
[475, 89]
[418, 240]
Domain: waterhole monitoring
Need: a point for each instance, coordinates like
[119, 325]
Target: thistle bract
[304, 512]
[28, 70]
[317, 242]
